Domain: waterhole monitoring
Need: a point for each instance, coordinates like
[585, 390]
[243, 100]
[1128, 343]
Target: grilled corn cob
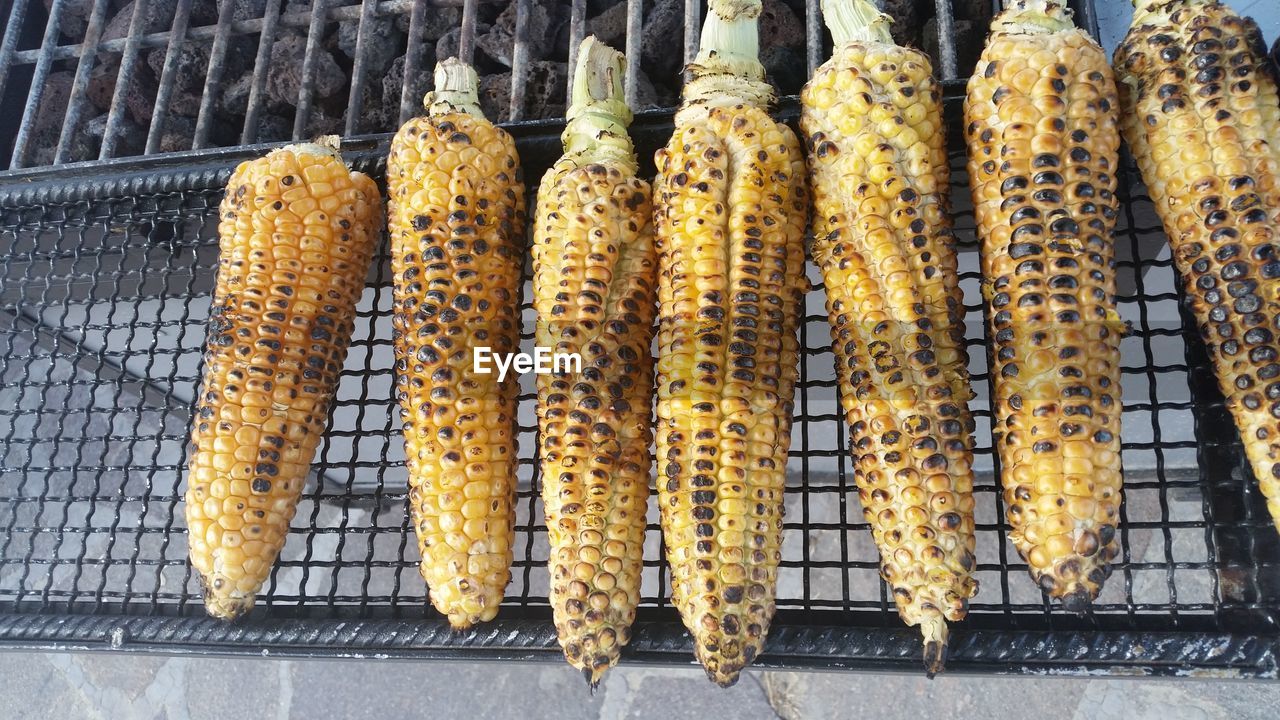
[456, 225]
[1202, 118]
[882, 237]
[730, 209]
[594, 278]
[297, 232]
[1043, 141]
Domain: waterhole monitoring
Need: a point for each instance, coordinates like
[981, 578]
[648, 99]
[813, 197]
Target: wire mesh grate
[103, 304]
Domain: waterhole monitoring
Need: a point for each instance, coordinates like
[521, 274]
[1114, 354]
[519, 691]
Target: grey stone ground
[117, 687]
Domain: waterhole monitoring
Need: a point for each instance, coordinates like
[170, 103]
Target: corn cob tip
[1034, 17]
[227, 608]
[727, 70]
[457, 90]
[934, 630]
[856, 21]
[1077, 601]
[722, 678]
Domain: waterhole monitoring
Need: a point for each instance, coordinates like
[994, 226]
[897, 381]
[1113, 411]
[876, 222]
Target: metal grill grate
[104, 290]
[132, 62]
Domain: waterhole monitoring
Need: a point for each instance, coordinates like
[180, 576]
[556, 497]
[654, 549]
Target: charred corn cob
[594, 278]
[296, 235]
[872, 121]
[456, 212]
[730, 209]
[1043, 141]
[1202, 118]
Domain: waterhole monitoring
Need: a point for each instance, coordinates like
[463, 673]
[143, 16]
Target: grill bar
[635, 21]
[9, 46]
[355, 101]
[310, 63]
[814, 32]
[467, 35]
[946, 38]
[115, 116]
[692, 29]
[412, 62]
[178, 33]
[75, 103]
[213, 78]
[519, 61]
[261, 66]
[577, 31]
[43, 61]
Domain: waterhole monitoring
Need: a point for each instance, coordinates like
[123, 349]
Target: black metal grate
[105, 277]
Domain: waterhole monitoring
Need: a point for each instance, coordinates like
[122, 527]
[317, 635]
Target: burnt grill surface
[86, 80]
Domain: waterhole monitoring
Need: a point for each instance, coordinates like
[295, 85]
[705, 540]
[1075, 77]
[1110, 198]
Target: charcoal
[274, 128]
[319, 123]
[970, 38]
[661, 47]
[595, 7]
[786, 68]
[285, 79]
[610, 26]
[75, 17]
[393, 82]
[191, 68]
[247, 9]
[908, 15]
[978, 11]
[436, 21]
[53, 103]
[649, 97]
[447, 45]
[382, 44]
[544, 20]
[139, 98]
[157, 17]
[234, 99]
[47, 126]
[130, 139]
[495, 96]
[177, 133]
[373, 116]
[544, 92]
[82, 148]
[779, 26]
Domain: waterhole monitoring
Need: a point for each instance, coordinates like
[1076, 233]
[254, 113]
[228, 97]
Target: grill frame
[1240, 637]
